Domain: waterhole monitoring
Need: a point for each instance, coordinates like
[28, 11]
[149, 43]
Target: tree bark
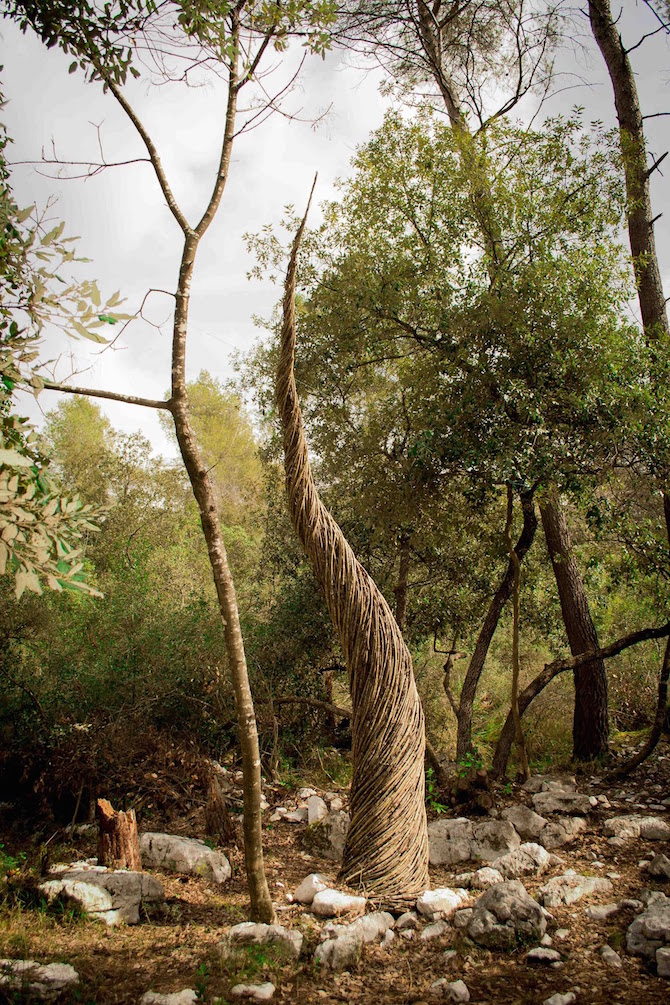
[386, 850]
[633, 147]
[516, 606]
[487, 631]
[590, 727]
[118, 841]
[218, 822]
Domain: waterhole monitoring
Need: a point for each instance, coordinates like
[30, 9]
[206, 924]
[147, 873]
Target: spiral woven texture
[386, 852]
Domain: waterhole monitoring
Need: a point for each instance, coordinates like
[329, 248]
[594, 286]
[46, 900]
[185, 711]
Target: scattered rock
[434, 931]
[550, 783]
[332, 903]
[310, 886]
[611, 958]
[601, 912]
[185, 997]
[663, 962]
[249, 933]
[451, 991]
[441, 903]
[105, 895]
[298, 816]
[505, 914]
[257, 992]
[492, 839]
[542, 956]
[189, 856]
[326, 837]
[562, 934]
[373, 926]
[305, 792]
[558, 999]
[570, 887]
[650, 931]
[342, 952]
[462, 919]
[562, 801]
[659, 867]
[636, 826]
[482, 879]
[529, 859]
[47, 981]
[561, 831]
[450, 841]
[336, 804]
[525, 821]
[410, 919]
[317, 809]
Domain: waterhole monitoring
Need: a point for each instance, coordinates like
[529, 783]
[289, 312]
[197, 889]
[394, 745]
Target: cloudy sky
[131, 237]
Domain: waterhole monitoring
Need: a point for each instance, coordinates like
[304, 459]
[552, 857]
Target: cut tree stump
[118, 842]
[218, 822]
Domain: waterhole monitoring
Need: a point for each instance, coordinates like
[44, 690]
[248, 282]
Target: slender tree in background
[238, 35]
[386, 850]
[463, 49]
[640, 219]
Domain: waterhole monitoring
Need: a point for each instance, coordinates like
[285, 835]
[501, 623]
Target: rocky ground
[559, 891]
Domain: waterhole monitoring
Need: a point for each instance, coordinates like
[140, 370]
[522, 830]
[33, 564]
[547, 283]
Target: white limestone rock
[610, 957]
[542, 956]
[29, 979]
[106, 895]
[504, 915]
[570, 887]
[562, 831]
[451, 991]
[562, 801]
[492, 839]
[342, 952]
[310, 886]
[663, 962]
[482, 879]
[650, 931]
[287, 941]
[525, 821]
[558, 999]
[441, 903]
[188, 856]
[317, 809]
[326, 837]
[185, 997]
[659, 867]
[256, 992]
[528, 860]
[601, 912]
[550, 783]
[410, 919]
[450, 841]
[636, 826]
[434, 931]
[332, 903]
[298, 816]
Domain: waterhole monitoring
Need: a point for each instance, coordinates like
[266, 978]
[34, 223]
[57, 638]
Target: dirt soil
[177, 948]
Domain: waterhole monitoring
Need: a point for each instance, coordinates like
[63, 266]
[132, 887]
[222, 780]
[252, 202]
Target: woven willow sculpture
[386, 852]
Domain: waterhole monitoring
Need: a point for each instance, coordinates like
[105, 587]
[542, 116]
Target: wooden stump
[218, 823]
[118, 842]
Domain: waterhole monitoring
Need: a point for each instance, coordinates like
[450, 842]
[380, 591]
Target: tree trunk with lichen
[386, 851]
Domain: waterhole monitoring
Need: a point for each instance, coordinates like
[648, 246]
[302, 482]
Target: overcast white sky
[131, 237]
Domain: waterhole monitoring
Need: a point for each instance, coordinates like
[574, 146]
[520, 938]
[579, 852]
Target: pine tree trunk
[118, 841]
[386, 851]
[590, 728]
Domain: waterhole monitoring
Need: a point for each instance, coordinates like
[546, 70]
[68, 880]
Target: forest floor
[177, 947]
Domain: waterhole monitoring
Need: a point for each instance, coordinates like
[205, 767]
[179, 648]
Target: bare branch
[91, 392]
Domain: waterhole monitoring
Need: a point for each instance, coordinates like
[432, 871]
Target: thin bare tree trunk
[590, 728]
[386, 851]
[659, 720]
[487, 631]
[516, 608]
